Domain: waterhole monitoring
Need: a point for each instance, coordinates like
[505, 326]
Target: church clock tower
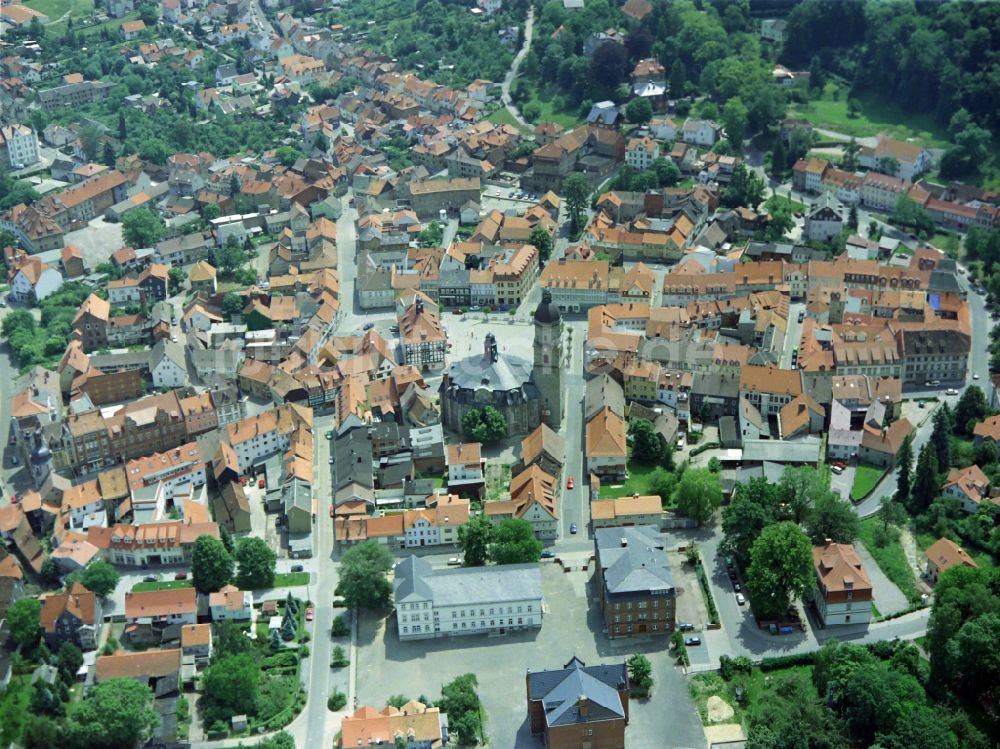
[548, 365]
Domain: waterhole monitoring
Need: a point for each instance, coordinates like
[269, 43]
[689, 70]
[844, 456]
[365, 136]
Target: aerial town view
[522, 374]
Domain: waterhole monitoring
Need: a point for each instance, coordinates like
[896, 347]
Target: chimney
[584, 705]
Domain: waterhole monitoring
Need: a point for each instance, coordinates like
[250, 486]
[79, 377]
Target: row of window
[639, 605]
[482, 612]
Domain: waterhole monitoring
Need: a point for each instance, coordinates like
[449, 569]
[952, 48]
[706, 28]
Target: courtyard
[387, 667]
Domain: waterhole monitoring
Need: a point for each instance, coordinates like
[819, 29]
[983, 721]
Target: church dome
[40, 453]
[547, 312]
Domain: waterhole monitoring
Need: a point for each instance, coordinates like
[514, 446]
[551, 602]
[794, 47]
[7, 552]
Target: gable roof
[562, 691]
[839, 568]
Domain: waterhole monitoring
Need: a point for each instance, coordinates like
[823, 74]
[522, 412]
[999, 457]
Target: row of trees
[510, 542]
[213, 560]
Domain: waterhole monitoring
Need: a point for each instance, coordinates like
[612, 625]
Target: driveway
[888, 598]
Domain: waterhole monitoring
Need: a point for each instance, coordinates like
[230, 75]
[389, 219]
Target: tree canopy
[474, 539]
[255, 563]
[114, 714]
[514, 542]
[699, 494]
[100, 577]
[141, 227]
[362, 580]
[211, 564]
[780, 569]
[486, 425]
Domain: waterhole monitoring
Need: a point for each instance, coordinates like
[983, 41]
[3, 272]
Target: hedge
[785, 661]
[702, 448]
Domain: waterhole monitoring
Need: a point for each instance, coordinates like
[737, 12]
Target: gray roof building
[633, 562]
[578, 694]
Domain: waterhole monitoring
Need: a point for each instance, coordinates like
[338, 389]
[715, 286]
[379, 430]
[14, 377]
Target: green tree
[852, 218]
[542, 242]
[734, 120]
[745, 188]
[23, 621]
[460, 701]
[41, 732]
[432, 235]
[646, 445]
[904, 472]
[474, 539]
[363, 583]
[941, 436]
[101, 578]
[514, 542]
[255, 563]
[834, 518]
[667, 172]
[90, 140]
[926, 480]
[971, 407]
[230, 256]
[577, 191]
[141, 227]
[177, 278]
[640, 674]
[663, 483]
[639, 111]
[287, 155]
[230, 686]
[114, 714]
[973, 653]
[485, 425]
[232, 303]
[211, 564]
[69, 661]
[779, 159]
[799, 488]
[699, 494]
[780, 569]
[753, 509]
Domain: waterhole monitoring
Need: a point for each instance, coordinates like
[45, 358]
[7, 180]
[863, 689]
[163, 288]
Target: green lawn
[865, 479]
[760, 689]
[503, 117]
[637, 482]
[546, 99]
[793, 205]
[891, 558]
[162, 585]
[55, 9]
[876, 117]
[291, 579]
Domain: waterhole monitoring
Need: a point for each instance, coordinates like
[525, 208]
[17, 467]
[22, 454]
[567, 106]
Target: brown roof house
[579, 706]
[968, 485]
[625, 511]
[606, 448]
[843, 590]
[158, 669]
[202, 277]
[882, 446]
[71, 617]
[944, 554]
[533, 495]
[545, 448]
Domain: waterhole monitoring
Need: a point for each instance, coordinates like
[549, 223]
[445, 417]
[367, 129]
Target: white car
[740, 599]
[454, 562]
[975, 375]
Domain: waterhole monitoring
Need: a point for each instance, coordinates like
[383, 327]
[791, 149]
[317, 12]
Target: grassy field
[545, 98]
[291, 579]
[281, 580]
[865, 479]
[890, 558]
[760, 688]
[56, 9]
[875, 117]
[503, 117]
[793, 205]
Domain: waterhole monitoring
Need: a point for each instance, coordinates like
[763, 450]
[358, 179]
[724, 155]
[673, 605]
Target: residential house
[970, 486]
[196, 642]
[465, 600]
[911, 160]
[545, 448]
[699, 132]
[160, 670]
[413, 725]
[229, 603]
[944, 554]
[202, 277]
[232, 509]
[148, 613]
[169, 542]
[626, 511]
[843, 592]
[634, 581]
[74, 616]
[465, 466]
[825, 220]
[534, 498]
[32, 280]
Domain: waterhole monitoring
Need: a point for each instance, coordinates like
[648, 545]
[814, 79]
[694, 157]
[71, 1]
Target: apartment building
[934, 355]
[465, 464]
[465, 600]
[90, 325]
[534, 498]
[636, 586]
[257, 437]
[18, 146]
[184, 465]
[428, 197]
[769, 389]
[85, 200]
[152, 544]
[76, 94]
[843, 592]
[424, 339]
[578, 285]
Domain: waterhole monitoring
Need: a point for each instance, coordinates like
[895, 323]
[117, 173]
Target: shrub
[304, 651]
[338, 658]
[730, 667]
[336, 701]
[339, 628]
[784, 661]
[339, 603]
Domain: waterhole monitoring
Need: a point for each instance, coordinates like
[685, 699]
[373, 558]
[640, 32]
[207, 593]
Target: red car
[569, 483]
[181, 576]
[243, 480]
[309, 615]
[261, 484]
[14, 499]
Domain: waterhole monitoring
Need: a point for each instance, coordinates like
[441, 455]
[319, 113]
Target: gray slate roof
[639, 566]
[560, 692]
[456, 586]
[506, 373]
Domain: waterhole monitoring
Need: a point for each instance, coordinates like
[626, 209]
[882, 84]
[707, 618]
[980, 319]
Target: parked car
[736, 587]
[13, 460]
[975, 375]
[330, 460]
[456, 312]
[309, 614]
[475, 308]
[297, 568]
[920, 404]
[181, 576]
[685, 627]
[740, 599]
[243, 480]
[368, 326]
[692, 641]
[546, 554]
[951, 391]
[261, 483]
[569, 482]
[454, 562]
[572, 527]
[151, 578]
[837, 469]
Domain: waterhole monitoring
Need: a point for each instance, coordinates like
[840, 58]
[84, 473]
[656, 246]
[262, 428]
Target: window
[643, 604]
[405, 630]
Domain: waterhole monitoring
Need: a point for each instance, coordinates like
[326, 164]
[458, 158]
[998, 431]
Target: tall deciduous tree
[780, 569]
[474, 540]
[577, 190]
[211, 565]
[834, 518]
[101, 578]
[941, 436]
[542, 242]
[255, 562]
[926, 481]
[971, 407]
[699, 493]
[514, 542]
[363, 582]
[114, 714]
[23, 621]
[142, 228]
[230, 686]
[646, 445]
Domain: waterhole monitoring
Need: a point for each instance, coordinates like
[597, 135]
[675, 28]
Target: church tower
[40, 460]
[548, 365]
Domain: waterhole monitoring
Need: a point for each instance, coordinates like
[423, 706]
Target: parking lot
[387, 666]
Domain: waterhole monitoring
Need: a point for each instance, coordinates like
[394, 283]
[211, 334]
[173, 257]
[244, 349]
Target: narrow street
[529, 27]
